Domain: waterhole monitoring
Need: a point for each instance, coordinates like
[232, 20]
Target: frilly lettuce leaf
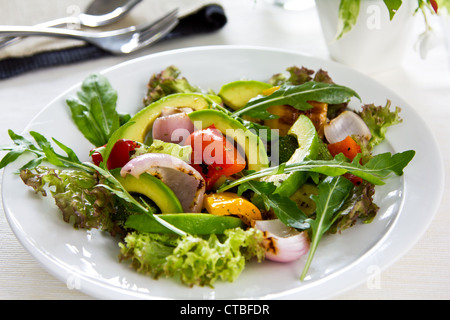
[378, 119]
[81, 201]
[358, 206]
[165, 83]
[196, 261]
[173, 149]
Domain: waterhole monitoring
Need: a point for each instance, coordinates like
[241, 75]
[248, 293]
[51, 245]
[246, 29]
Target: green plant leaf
[297, 97]
[393, 6]
[285, 209]
[43, 151]
[333, 191]
[348, 16]
[378, 119]
[94, 110]
[375, 171]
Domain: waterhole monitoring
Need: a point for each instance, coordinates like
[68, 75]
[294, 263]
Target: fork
[119, 42]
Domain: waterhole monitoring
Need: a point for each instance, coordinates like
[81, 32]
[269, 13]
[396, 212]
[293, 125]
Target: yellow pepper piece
[268, 92]
[229, 203]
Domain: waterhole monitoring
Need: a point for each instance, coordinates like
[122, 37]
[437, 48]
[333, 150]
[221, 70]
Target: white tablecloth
[423, 273]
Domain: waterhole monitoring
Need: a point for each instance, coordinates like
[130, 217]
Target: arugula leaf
[375, 171]
[284, 208]
[333, 191]
[288, 212]
[94, 111]
[348, 15]
[297, 97]
[43, 150]
[48, 150]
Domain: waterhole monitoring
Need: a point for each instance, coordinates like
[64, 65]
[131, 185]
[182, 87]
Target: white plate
[88, 260]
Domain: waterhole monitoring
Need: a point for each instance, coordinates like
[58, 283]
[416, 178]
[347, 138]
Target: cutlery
[98, 13]
[104, 12]
[120, 41]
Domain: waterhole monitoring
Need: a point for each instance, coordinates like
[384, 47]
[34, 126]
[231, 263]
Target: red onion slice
[348, 123]
[186, 182]
[282, 243]
[173, 128]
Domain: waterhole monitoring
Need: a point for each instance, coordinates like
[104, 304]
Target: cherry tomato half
[213, 155]
[119, 156]
[350, 149]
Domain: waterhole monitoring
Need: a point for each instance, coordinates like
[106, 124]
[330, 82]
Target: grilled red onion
[186, 182]
[348, 123]
[173, 128]
[282, 243]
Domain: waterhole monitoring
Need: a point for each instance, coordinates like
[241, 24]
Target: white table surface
[423, 273]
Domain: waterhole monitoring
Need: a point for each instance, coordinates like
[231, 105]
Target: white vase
[375, 43]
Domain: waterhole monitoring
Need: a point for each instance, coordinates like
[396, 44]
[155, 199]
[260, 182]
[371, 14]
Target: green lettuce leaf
[196, 261]
[173, 149]
[378, 119]
[165, 83]
[359, 206]
[81, 202]
[94, 110]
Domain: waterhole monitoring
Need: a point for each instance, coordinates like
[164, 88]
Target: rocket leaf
[375, 171]
[43, 151]
[297, 97]
[333, 191]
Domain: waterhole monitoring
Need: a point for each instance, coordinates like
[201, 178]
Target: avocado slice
[142, 121]
[308, 141]
[152, 188]
[302, 197]
[237, 94]
[251, 144]
[305, 132]
[192, 223]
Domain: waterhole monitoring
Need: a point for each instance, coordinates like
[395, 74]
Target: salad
[197, 182]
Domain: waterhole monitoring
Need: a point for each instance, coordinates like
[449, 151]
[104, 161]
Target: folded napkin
[208, 18]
